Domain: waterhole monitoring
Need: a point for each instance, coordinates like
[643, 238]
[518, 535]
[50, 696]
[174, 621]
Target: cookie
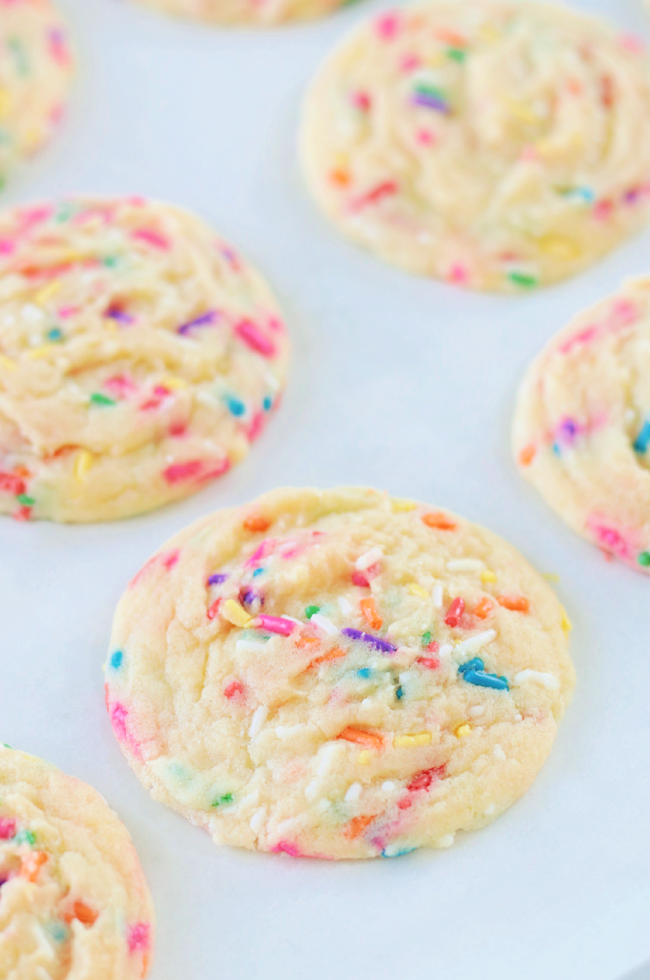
[73, 898]
[35, 71]
[493, 144]
[581, 431]
[140, 356]
[336, 674]
[258, 13]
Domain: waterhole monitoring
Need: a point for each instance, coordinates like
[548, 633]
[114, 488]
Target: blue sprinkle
[258, 571]
[267, 404]
[398, 854]
[481, 679]
[217, 578]
[365, 672]
[474, 664]
[585, 193]
[399, 693]
[117, 659]
[55, 334]
[235, 407]
[642, 441]
[556, 449]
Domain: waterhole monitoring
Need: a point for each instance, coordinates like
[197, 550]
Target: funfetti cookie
[140, 356]
[582, 426]
[336, 674]
[35, 70]
[256, 13]
[494, 144]
[73, 898]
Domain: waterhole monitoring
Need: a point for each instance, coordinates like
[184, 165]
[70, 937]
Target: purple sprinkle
[201, 321]
[430, 101]
[115, 313]
[217, 578]
[249, 597]
[374, 641]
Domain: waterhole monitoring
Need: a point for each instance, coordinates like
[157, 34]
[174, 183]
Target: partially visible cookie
[140, 356]
[337, 674]
[582, 425]
[257, 13]
[35, 71]
[73, 898]
[494, 144]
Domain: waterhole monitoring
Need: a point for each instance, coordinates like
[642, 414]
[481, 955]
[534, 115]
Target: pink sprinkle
[633, 43]
[276, 624]
[458, 273]
[139, 937]
[528, 154]
[233, 690]
[59, 48]
[7, 247]
[284, 847]
[583, 337]
[183, 471]
[265, 549]
[409, 62]
[425, 137]
[361, 101]
[254, 338]
[217, 470]
[623, 313]
[359, 579]
[67, 311]
[118, 715]
[388, 26]
[275, 323]
[120, 385]
[603, 210]
[170, 560]
[7, 828]
[256, 426]
[214, 608]
[611, 539]
[151, 238]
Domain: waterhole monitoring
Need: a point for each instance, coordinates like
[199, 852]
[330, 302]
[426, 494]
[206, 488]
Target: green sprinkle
[225, 799]
[311, 611]
[20, 55]
[111, 261]
[644, 558]
[521, 279]
[98, 399]
[426, 638]
[64, 213]
[25, 501]
[25, 837]
[456, 54]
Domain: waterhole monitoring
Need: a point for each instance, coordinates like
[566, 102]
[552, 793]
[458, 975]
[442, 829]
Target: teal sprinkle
[235, 406]
[267, 404]
[25, 837]
[522, 279]
[398, 854]
[117, 660]
[365, 672]
[399, 693]
[57, 930]
[644, 559]
[258, 571]
[55, 335]
[426, 638]
[98, 399]
[642, 441]
[223, 800]
[311, 611]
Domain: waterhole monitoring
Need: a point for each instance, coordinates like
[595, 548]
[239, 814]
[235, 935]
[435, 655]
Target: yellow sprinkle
[83, 464]
[411, 741]
[37, 352]
[566, 622]
[489, 34]
[523, 112]
[401, 506]
[559, 247]
[551, 577]
[47, 293]
[488, 575]
[364, 758]
[5, 103]
[463, 730]
[173, 383]
[418, 590]
[7, 363]
[235, 613]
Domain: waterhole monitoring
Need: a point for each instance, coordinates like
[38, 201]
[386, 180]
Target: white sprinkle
[366, 703]
[325, 624]
[326, 756]
[282, 732]
[519, 717]
[313, 789]
[445, 841]
[32, 313]
[205, 398]
[477, 642]
[298, 622]
[538, 677]
[260, 716]
[445, 650]
[499, 753]
[489, 810]
[249, 646]
[353, 793]
[258, 820]
[272, 381]
[388, 787]
[370, 558]
[287, 826]
[345, 606]
[436, 595]
[476, 711]
[466, 565]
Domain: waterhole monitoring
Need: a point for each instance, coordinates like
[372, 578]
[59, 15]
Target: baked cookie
[494, 144]
[35, 71]
[257, 13]
[582, 425]
[139, 358]
[337, 674]
[73, 898]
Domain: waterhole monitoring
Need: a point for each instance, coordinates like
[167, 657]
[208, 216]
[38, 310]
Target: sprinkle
[454, 613]
[412, 741]
[402, 506]
[253, 337]
[371, 740]
[437, 597]
[425, 639]
[256, 524]
[385, 189]
[527, 455]
[235, 614]
[98, 399]
[418, 590]
[522, 279]
[488, 575]
[369, 558]
[25, 501]
[499, 753]
[36, 353]
[116, 660]
[235, 406]
[566, 622]
[353, 793]
[357, 826]
[47, 292]
[642, 441]
[276, 624]
[26, 837]
[484, 608]
[214, 608]
[7, 364]
[374, 641]
[515, 603]
[223, 800]
[430, 98]
[258, 820]
[559, 247]
[345, 606]
[370, 613]
[83, 464]
[179, 472]
[465, 565]
[538, 677]
[644, 561]
[311, 611]
[439, 521]
[399, 692]
[364, 758]
[462, 731]
[7, 828]
[456, 54]
[200, 321]
[139, 936]
[233, 689]
[424, 779]
[217, 579]
[476, 642]
[476, 711]
[260, 716]
[474, 673]
[325, 624]
[334, 654]
[151, 237]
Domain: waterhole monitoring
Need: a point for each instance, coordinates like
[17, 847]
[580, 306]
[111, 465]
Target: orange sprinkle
[85, 914]
[527, 455]
[371, 615]
[369, 739]
[516, 603]
[32, 864]
[441, 521]
[255, 523]
[307, 641]
[483, 609]
[357, 826]
[334, 654]
[340, 177]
